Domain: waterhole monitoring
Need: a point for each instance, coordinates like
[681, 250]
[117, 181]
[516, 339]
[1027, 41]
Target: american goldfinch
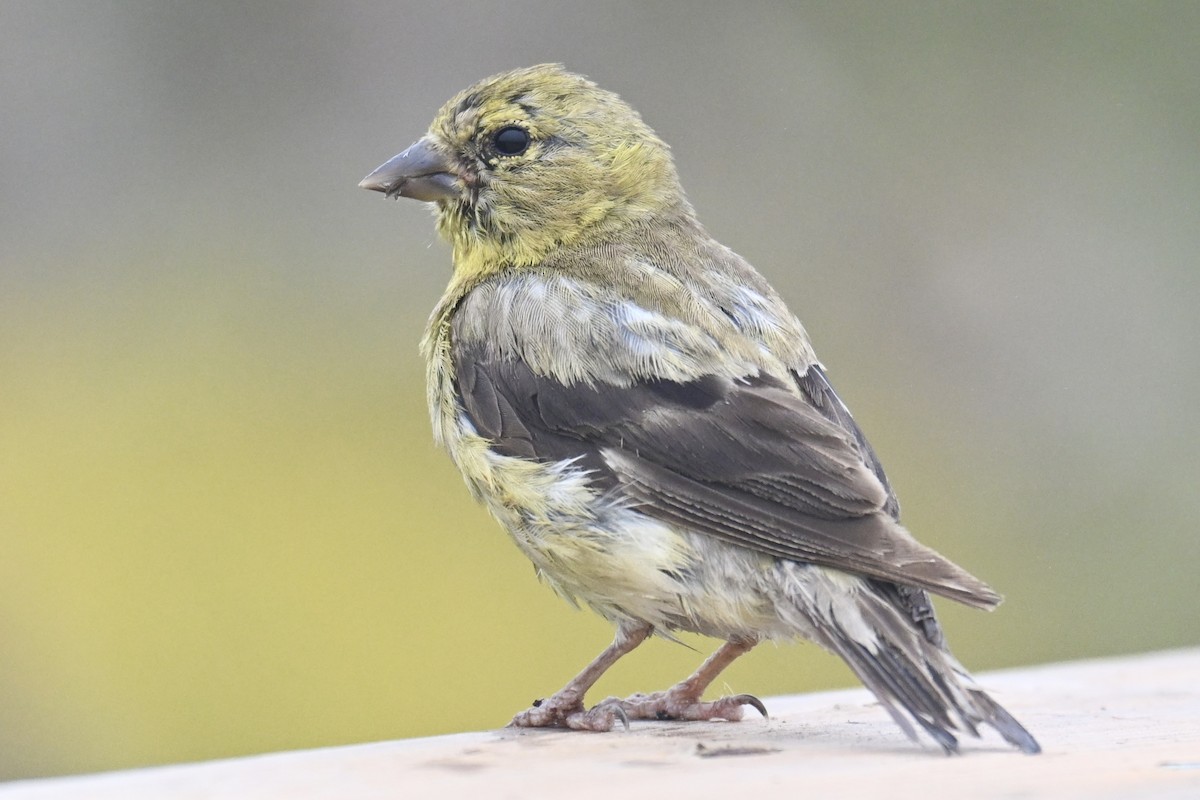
[646, 418]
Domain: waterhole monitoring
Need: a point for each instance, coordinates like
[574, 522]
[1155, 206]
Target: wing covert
[746, 460]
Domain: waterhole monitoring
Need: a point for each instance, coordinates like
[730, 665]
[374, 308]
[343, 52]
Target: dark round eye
[510, 141]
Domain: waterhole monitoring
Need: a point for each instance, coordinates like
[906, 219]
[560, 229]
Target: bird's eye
[510, 141]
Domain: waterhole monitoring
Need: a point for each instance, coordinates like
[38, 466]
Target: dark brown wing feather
[915, 602]
[747, 461]
[818, 391]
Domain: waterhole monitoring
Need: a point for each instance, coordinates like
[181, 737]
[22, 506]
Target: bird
[645, 417]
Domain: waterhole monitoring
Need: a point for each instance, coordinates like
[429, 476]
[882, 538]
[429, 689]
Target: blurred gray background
[223, 525]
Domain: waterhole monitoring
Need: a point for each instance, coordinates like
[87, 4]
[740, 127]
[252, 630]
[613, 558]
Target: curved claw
[619, 710]
[754, 702]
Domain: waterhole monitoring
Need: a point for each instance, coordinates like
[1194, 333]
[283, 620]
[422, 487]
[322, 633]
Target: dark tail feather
[916, 679]
[1012, 731]
[892, 686]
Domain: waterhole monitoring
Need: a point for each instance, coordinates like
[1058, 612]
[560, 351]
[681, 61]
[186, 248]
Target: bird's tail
[905, 663]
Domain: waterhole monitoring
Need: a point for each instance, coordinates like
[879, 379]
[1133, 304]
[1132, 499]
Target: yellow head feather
[591, 164]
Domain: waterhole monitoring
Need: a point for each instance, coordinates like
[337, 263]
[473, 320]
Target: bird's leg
[565, 708]
[682, 701]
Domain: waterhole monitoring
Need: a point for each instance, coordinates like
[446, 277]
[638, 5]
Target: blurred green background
[224, 528]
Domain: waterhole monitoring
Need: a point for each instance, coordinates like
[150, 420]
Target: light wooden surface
[1116, 728]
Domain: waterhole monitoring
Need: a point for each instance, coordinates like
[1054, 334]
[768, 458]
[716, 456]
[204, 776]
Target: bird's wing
[746, 460]
[820, 394]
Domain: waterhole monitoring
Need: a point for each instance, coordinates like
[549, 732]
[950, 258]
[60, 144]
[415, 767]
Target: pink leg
[565, 709]
[682, 701]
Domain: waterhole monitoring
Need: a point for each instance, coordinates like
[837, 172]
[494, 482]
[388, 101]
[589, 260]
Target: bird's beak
[420, 172]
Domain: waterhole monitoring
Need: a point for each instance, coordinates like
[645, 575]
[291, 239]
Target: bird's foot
[679, 703]
[565, 710]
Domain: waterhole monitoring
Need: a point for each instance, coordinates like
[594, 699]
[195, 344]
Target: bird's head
[530, 161]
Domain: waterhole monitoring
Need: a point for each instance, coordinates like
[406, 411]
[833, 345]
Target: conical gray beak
[420, 172]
